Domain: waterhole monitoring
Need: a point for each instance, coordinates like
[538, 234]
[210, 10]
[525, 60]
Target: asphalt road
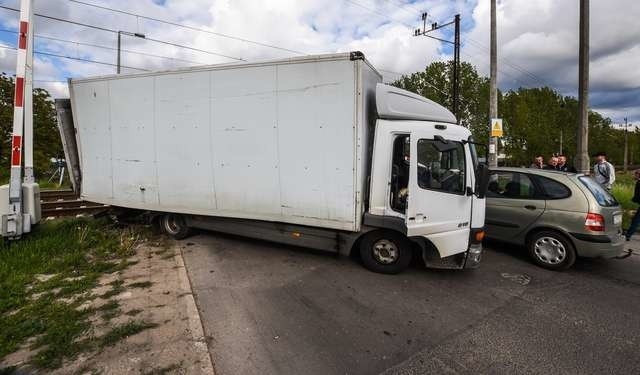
[273, 309]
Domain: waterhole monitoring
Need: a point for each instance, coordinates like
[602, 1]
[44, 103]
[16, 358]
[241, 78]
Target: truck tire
[175, 226]
[385, 252]
[551, 250]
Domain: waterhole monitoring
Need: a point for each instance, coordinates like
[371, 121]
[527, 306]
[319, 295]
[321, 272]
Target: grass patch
[77, 252]
[133, 312]
[623, 190]
[8, 370]
[116, 288]
[140, 284]
[164, 370]
[111, 305]
[123, 331]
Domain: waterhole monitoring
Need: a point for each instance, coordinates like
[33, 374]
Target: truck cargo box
[281, 141]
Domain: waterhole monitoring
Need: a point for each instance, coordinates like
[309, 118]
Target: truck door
[439, 207]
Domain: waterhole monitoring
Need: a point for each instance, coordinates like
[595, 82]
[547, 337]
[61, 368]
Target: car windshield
[603, 197]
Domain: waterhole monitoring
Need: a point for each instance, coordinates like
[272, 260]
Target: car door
[438, 205]
[513, 204]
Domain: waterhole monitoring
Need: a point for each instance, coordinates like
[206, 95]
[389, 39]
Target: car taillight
[594, 222]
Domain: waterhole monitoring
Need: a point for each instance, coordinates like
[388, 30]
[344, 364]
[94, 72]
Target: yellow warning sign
[496, 127]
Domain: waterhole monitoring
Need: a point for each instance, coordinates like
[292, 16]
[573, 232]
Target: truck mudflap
[468, 259]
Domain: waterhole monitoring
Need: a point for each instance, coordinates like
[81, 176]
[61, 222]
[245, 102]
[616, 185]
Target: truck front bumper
[474, 256]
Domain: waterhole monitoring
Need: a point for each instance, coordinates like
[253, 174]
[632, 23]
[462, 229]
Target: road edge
[195, 323]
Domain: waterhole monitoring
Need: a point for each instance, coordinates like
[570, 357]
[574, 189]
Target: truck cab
[425, 183]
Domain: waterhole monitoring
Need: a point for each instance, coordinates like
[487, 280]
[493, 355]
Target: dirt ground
[155, 290]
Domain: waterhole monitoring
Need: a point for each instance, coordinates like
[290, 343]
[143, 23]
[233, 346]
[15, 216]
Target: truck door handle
[530, 207]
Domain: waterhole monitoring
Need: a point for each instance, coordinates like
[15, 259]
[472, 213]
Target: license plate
[617, 219]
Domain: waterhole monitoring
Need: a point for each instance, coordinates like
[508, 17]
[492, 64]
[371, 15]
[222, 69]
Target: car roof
[536, 171]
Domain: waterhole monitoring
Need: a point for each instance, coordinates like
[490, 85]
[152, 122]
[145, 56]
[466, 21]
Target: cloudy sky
[537, 40]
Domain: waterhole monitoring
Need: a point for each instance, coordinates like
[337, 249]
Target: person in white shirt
[603, 171]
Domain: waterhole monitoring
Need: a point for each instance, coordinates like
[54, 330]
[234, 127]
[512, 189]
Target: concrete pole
[493, 88]
[582, 152]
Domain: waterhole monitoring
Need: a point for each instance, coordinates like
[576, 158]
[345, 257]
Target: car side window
[510, 185]
[553, 189]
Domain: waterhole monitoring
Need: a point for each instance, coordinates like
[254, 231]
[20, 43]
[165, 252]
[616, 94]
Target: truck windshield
[602, 196]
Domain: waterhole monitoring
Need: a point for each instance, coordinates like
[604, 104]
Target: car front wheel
[551, 250]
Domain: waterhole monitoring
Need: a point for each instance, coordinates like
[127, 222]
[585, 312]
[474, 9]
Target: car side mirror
[482, 180]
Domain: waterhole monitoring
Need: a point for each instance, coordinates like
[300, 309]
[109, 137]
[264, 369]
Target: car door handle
[530, 207]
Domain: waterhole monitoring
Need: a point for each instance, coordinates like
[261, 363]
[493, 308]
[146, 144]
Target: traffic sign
[496, 127]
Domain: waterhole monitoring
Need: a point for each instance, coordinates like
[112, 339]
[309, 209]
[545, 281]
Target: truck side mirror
[482, 180]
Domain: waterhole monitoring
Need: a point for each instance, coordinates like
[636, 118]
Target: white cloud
[537, 39]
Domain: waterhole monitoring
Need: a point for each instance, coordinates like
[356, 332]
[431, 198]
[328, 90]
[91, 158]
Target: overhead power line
[116, 31]
[189, 27]
[105, 47]
[75, 58]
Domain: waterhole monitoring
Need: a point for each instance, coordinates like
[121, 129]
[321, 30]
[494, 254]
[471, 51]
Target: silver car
[558, 216]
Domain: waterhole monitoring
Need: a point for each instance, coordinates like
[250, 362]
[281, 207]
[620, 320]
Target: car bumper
[598, 246]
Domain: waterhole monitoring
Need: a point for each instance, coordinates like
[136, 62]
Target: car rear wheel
[551, 250]
[385, 252]
[175, 226]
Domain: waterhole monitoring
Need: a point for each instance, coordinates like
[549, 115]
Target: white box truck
[312, 151]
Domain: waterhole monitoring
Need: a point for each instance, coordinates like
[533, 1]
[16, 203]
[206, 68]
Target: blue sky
[537, 41]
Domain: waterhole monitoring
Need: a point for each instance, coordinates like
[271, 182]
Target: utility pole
[120, 32]
[493, 88]
[582, 152]
[456, 55]
[626, 146]
[561, 136]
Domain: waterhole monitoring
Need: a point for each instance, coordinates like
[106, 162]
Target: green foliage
[435, 83]
[533, 119]
[46, 140]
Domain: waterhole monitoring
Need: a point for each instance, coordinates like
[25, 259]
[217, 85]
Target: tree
[534, 119]
[46, 141]
[435, 83]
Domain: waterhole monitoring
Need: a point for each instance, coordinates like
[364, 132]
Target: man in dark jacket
[563, 166]
[635, 222]
[552, 164]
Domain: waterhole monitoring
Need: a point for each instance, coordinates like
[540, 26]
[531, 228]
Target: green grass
[77, 252]
[623, 190]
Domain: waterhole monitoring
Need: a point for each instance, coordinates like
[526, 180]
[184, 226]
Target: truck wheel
[175, 226]
[551, 250]
[385, 252]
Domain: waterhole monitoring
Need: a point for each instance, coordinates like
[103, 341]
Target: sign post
[496, 132]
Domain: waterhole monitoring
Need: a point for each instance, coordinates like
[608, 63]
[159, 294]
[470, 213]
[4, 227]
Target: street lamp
[137, 35]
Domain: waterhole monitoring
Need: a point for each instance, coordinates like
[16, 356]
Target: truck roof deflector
[394, 103]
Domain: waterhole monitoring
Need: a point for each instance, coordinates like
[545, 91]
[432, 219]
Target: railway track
[56, 203]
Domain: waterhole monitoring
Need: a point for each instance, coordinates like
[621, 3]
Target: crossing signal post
[22, 197]
[456, 54]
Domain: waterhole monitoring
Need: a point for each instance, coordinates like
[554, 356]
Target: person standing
[635, 222]
[563, 166]
[538, 162]
[552, 164]
[603, 171]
